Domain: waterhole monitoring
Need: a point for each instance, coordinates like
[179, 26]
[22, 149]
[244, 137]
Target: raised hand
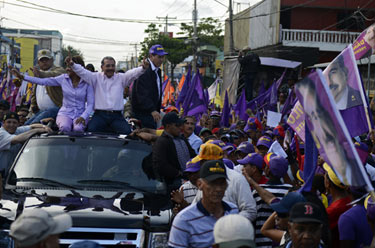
[145, 63]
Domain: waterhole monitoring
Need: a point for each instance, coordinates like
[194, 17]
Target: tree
[176, 48]
[209, 31]
[65, 50]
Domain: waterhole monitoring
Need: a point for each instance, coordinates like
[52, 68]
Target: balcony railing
[325, 40]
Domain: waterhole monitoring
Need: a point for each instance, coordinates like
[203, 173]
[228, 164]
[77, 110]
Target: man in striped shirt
[276, 168]
[193, 226]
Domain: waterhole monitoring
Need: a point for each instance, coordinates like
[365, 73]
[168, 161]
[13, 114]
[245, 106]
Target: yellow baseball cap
[208, 151]
[332, 176]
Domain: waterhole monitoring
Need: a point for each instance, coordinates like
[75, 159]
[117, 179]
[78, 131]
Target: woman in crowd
[78, 97]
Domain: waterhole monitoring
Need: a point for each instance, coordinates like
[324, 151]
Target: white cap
[33, 226]
[233, 231]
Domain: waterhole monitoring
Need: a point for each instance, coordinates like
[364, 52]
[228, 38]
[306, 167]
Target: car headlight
[158, 240]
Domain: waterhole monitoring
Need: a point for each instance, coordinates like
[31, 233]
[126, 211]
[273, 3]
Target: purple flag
[269, 96]
[344, 81]
[310, 161]
[195, 101]
[224, 122]
[329, 131]
[364, 45]
[241, 106]
[164, 84]
[274, 89]
[289, 103]
[184, 90]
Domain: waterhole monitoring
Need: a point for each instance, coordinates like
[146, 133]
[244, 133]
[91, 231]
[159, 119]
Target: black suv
[103, 182]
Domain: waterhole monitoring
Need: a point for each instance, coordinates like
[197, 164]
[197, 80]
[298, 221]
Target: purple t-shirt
[353, 225]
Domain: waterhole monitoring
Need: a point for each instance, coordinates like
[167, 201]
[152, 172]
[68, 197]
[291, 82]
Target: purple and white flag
[329, 131]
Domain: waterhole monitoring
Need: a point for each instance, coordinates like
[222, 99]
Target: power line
[53, 10]
[275, 12]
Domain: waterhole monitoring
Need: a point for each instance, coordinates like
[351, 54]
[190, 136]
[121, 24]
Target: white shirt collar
[153, 67]
[342, 103]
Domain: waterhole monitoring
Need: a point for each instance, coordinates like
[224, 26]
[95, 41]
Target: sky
[85, 33]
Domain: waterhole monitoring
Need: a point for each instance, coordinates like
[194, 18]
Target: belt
[108, 111]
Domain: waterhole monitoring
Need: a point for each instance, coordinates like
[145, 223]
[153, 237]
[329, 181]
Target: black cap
[305, 212]
[171, 118]
[212, 170]
[4, 104]
[11, 115]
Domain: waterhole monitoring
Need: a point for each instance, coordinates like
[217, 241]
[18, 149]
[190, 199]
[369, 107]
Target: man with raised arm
[108, 91]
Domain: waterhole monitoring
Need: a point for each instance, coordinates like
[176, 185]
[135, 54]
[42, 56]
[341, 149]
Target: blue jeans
[48, 113]
[147, 120]
[107, 122]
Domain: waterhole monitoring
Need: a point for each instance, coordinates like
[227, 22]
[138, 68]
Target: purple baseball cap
[264, 141]
[251, 124]
[229, 148]
[158, 50]
[193, 167]
[253, 159]
[219, 143]
[228, 163]
[278, 166]
[246, 147]
[370, 208]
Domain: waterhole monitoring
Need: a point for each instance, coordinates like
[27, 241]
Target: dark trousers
[249, 81]
[108, 122]
[51, 112]
[147, 120]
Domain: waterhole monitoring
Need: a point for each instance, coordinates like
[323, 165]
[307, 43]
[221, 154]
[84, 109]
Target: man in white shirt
[109, 98]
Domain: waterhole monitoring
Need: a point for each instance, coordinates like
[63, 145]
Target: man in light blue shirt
[193, 226]
[189, 126]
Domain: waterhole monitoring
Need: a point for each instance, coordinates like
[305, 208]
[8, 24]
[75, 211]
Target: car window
[78, 161]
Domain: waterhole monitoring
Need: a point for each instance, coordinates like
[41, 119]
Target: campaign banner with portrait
[329, 131]
[344, 81]
[364, 45]
[296, 120]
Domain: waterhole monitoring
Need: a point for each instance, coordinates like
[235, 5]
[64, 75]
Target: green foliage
[209, 31]
[73, 51]
[176, 48]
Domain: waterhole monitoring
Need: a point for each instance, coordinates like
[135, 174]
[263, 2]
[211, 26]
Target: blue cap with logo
[158, 50]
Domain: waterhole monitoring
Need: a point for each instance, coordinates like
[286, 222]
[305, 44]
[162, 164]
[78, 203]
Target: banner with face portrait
[329, 131]
[364, 45]
[343, 80]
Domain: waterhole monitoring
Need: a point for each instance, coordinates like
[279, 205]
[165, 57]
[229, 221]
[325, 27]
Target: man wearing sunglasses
[171, 151]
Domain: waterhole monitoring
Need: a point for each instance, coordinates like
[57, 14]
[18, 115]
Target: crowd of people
[229, 187]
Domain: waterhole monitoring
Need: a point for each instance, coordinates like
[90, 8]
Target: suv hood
[99, 209]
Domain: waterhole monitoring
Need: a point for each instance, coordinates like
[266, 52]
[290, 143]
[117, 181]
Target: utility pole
[136, 53]
[166, 23]
[231, 41]
[195, 36]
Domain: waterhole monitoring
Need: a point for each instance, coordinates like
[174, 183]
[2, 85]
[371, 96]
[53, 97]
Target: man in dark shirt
[171, 152]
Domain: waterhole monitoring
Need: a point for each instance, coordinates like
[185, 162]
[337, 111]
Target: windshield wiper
[45, 181]
[116, 184]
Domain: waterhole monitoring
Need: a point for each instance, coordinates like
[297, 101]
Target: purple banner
[343, 80]
[296, 120]
[329, 131]
[364, 45]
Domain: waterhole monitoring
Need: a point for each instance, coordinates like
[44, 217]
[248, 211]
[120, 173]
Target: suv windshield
[83, 163]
